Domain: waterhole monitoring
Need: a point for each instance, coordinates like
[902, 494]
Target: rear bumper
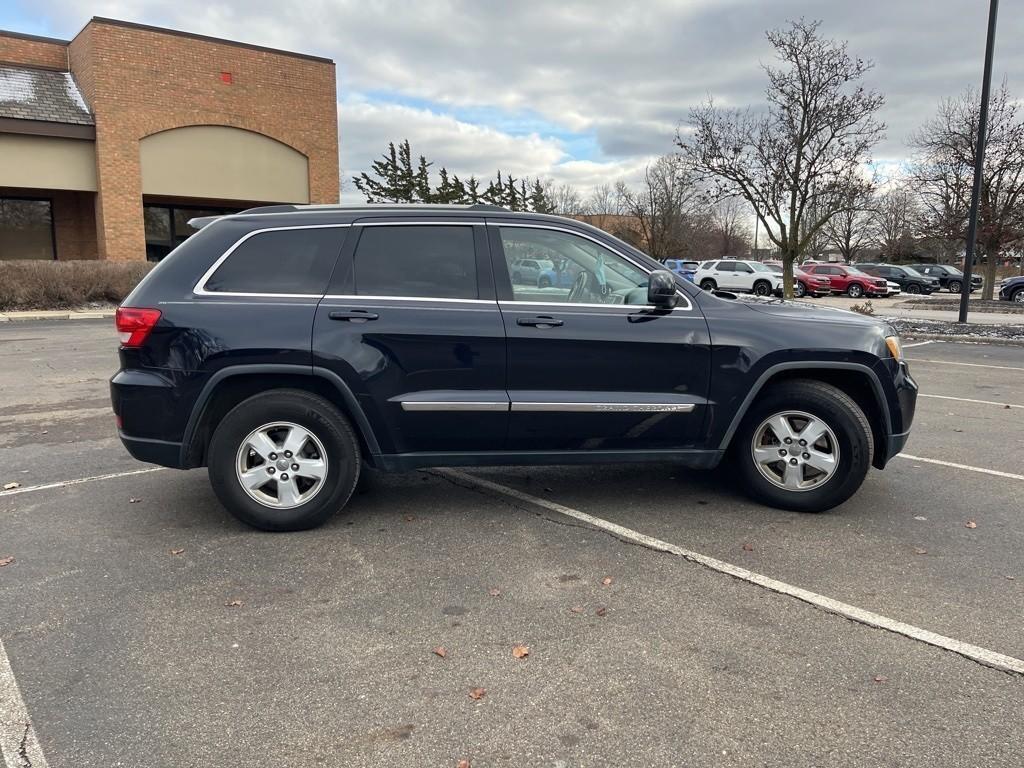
[144, 403]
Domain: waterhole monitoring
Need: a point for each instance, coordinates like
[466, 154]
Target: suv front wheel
[284, 460]
[805, 446]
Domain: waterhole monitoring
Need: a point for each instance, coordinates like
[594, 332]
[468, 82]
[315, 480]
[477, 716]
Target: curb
[964, 339]
[18, 317]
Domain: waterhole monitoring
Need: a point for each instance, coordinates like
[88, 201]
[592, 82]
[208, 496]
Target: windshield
[758, 267]
[911, 271]
[954, 271]
[777, 269]
[854, 271]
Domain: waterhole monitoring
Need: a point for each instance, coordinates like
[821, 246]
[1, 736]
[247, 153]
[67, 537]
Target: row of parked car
[821, 279]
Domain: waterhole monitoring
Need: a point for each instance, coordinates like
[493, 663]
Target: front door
[593, 367]
[412, 326]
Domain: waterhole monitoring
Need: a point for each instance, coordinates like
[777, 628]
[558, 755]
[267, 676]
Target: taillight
[134, 325]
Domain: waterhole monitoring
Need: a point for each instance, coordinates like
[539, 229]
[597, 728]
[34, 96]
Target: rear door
[412, 326]
[594, 367]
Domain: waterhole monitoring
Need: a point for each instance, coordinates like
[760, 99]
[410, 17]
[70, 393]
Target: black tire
[855, 290]
[955, 286]
[544, 282]
[1018, 296]
[828, 404]
[762, 288]
[914, 288]
[708, 284]
[312, 413]
[799, 290]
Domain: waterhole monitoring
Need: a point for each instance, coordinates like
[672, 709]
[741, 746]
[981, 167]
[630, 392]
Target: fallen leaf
[463, 764]
[494, 592]
[577, 609]
[970, 524]
[232, 603]
[1006, 407]
[601, 611]
[177, 551]
[748, 547]
[133, 500]
[920, 551]
[8, 560]
[606, 581]
[477, 693]
[881, 679]
[440, 651]
[410, 518]
[520, 651]
[11, 486]
[920, 517]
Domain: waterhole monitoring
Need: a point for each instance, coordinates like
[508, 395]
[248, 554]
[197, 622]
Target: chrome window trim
[441, 405]
[604, 407]
[630, 307]
[200, 287]
[423, 223]
[567, 230]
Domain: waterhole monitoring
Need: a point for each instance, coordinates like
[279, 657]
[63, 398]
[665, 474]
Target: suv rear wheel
[708, 284]
[284, 460]
[805, 446]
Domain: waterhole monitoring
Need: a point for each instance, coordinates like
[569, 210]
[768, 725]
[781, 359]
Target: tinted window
[727, 266]
[433, 262]
[741, 267]
[285, 261]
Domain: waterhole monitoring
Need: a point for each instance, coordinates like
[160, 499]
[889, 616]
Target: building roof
[40, 94]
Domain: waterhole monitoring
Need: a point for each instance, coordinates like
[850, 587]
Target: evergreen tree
[384, 188]
[422, 193]
[539, 202]
[405, 183]
[473, 195]
[459, 194]
[511, 195]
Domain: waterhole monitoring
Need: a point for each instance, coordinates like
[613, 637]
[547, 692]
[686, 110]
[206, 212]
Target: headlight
[895, 348]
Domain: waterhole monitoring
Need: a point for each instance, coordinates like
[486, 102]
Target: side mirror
[661, 289]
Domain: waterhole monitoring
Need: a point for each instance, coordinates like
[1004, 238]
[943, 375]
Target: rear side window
[726, 266]
[432, 262]
[286, 261]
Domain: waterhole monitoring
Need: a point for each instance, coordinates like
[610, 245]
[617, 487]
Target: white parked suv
[736, 275]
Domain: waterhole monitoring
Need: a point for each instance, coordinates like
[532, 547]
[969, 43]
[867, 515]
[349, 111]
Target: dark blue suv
[287, 346]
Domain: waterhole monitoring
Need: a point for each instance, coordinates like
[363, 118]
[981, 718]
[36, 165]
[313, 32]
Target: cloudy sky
[581, 92]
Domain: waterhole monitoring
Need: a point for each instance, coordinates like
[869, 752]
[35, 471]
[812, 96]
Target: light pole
[979, 163]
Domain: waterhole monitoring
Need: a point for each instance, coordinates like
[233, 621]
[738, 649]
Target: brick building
[111, 141]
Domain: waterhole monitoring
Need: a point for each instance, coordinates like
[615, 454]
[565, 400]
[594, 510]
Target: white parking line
[974, 652]
[969, 400]
[966, 365]
[19, 745]
[76, 481]
[919, 344]
[954, 465]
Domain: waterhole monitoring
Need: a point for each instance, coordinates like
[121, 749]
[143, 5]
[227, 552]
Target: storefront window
[26, 228]
[167, 226]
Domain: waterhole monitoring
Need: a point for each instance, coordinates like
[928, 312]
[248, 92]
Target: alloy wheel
[795, 451]
[281, 465]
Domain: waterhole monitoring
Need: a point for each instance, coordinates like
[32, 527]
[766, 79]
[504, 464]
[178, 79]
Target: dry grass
[66, 284]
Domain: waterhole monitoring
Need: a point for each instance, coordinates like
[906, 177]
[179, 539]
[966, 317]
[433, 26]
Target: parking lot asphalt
[317, 648]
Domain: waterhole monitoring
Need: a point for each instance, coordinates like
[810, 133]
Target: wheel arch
[863, 386]
[230, 386]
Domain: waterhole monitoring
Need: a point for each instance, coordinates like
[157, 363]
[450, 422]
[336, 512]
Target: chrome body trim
[605, 407]
[440, 405]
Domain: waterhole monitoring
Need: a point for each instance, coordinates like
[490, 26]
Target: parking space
[145, 627]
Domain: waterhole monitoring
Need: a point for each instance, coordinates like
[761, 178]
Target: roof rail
[290, 208]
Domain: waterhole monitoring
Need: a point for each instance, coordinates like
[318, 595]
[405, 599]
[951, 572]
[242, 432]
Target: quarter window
[727, 266]
[295, 261]
[434, 262]
[575, 269]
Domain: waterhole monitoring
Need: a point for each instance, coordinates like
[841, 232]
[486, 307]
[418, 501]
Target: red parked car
[806, 283]
[849, 280]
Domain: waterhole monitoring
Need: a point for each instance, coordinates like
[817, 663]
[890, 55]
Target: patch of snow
[17, 85]
[74, 93]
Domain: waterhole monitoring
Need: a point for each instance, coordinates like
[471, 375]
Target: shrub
[67, 284]
[865, 309]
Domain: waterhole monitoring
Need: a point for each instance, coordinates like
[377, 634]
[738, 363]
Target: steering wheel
[581, 286]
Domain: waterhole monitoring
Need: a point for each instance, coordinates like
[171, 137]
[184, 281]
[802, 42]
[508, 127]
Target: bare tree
[796, 161]
[564, 199]
[604, 206]
[729, 223]
[943, 173]
[893, 216]
[663, 206]
[850, 231]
